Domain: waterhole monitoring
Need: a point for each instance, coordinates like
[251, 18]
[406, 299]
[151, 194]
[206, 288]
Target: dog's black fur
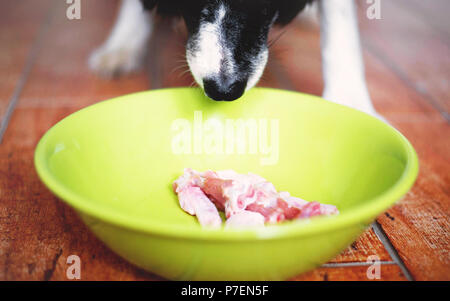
[190, 9]
[245, 31]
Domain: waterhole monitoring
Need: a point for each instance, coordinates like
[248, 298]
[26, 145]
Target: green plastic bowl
[115, 161]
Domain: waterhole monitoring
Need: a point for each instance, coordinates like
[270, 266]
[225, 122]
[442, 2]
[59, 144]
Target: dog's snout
[223, 89]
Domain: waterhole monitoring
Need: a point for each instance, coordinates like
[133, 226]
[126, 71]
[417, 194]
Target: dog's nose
[223, 89]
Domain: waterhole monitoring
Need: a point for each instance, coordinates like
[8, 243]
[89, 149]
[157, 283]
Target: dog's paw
[356, 100]
[112, 62]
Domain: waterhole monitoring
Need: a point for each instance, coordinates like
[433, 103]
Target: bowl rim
[361, 215]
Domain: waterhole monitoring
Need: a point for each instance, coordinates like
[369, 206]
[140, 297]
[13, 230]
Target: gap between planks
[372, 49]
[354, 264]
[28, 66]
[406, 80]
[379, 232]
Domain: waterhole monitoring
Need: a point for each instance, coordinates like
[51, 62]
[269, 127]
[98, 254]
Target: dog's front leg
[125, 47]
[342, 63]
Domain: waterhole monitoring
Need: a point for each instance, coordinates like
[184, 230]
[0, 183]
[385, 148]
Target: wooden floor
[44, 77]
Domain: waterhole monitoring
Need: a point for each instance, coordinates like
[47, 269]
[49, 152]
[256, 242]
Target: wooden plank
[388, 272]
[298, 53]
[419, 230]
[26, 17]
[61, 76]
[367, 245]
[414, 49]
[435, 14]
[37, 231]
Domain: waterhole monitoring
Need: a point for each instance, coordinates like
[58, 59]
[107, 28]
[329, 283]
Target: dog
[227, 46]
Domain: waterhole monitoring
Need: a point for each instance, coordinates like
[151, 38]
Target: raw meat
[247, 200]
[245, 219]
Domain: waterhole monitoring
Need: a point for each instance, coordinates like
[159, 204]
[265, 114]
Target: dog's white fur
[125, 47]
[210, 56]
[207, 60]
[343, 68]
[342, 63]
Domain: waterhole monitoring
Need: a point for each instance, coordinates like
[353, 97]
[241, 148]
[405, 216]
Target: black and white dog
[227, 48]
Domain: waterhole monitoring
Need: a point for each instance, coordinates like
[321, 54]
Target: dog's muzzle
[224, 89]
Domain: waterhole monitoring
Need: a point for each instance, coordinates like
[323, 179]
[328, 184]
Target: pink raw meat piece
[245, 219]
[308, 209]
[274, 214]
[247, 199]
[234, 192]
[195, 202]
